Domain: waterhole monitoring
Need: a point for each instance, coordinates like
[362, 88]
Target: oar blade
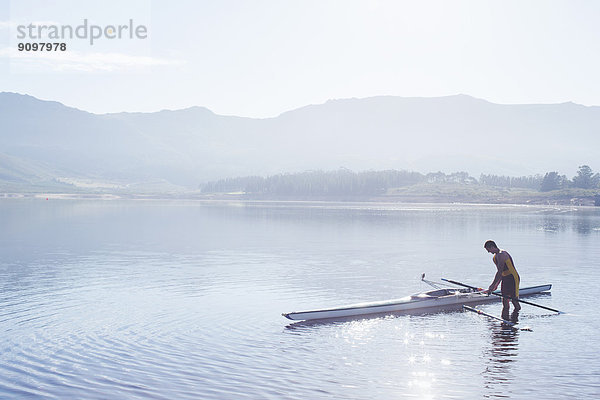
[504, 321]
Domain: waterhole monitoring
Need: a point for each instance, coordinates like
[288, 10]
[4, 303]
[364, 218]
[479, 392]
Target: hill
[45, 142]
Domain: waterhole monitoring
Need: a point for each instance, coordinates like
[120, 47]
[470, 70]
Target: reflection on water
[584, 225]
[584, 221]
[501, 353]
[552, 224]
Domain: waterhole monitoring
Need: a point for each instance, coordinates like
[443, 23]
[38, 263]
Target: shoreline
[531, 199]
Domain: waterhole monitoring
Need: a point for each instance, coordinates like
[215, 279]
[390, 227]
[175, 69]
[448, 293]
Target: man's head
[491, 246]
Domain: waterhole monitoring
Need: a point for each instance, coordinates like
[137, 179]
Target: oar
[494, 317]
[508, 297]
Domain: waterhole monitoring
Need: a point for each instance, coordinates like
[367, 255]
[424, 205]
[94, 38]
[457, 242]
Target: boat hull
[416, 302]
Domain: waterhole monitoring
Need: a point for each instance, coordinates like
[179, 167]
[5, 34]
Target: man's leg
[516, 304]
[505, 308]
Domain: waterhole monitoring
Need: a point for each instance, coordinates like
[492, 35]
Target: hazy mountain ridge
[189, 146]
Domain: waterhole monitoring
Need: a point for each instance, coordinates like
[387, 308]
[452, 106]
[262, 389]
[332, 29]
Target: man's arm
[496, 281]
[500, 260]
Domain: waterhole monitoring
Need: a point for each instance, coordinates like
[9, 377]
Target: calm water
[183, 300]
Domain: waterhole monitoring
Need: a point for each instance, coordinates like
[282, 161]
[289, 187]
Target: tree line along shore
[409, 186]
[583, 189]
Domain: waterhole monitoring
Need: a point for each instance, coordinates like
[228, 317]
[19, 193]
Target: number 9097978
[42, 46]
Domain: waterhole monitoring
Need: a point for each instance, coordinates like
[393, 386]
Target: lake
[183, 300]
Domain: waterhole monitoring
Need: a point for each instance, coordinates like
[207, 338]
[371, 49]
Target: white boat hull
[432, 299]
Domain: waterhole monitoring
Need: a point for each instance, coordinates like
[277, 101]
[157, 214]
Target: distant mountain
[44, 141]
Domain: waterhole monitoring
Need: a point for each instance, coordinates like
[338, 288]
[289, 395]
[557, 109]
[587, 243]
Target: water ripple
[190, 307]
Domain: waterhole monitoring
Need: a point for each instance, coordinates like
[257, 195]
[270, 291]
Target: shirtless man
[507, 274]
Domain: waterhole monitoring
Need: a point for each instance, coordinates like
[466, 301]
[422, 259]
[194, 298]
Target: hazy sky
[261, 58]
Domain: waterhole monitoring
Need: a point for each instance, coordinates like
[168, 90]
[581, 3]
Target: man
[507, 274]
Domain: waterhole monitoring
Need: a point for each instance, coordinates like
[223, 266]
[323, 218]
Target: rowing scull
[431, 299]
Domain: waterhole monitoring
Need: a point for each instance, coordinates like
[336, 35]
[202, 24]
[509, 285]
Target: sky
[261, 58]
